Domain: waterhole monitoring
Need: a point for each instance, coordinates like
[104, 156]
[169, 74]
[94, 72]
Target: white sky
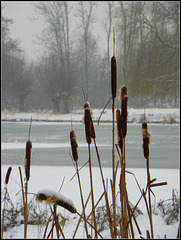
[25, 28]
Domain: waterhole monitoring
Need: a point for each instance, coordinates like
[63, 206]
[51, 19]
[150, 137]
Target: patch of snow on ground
[155, 115]
[51, 177]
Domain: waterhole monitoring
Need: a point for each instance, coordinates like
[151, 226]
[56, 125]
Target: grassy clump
[170, 208]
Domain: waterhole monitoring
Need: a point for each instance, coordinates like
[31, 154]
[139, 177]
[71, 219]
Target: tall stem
[105, 191]
[113, 168]
[149, 198]
[92, 192]
[82, 199]
[25, 210]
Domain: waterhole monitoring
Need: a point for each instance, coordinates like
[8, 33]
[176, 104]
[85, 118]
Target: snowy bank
[153, 115]
[52, 177]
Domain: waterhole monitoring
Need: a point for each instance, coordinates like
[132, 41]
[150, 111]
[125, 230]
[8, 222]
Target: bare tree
[16, 77]
[108, 27]
[55, 38]
[149, 43]
[85, 13]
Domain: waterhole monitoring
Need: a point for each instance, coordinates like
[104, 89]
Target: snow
[19, 145]
[49, 193]
[154, 115]
[51, 177]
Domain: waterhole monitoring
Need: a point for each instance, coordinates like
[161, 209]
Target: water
[51, 144]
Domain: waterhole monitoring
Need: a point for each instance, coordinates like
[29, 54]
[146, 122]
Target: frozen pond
[51, 144]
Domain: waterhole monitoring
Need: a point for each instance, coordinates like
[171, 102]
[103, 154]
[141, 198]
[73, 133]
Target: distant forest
[147, 53]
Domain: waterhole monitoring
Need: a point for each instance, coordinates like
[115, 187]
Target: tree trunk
[66, 104]
[21, 104]
[56, 104]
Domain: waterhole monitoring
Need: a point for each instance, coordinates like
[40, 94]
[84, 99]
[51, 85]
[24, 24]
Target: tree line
[147, 52]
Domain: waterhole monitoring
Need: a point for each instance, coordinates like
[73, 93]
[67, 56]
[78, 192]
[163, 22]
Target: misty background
[63, 46]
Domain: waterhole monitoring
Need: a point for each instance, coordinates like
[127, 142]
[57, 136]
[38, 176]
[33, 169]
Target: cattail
[28, 159]
[87, 121]
[52, 197]
[146, 145]
[74, 145]
[119, 128]
[122, 92]
[8, 175]
[144, 128]
[113, 76]
[124, 115]
[146, 139]
[86, 105]
[93, 134]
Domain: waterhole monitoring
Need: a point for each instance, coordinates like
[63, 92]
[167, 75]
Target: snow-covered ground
[48, 177]
[51, 177]
[154, 115]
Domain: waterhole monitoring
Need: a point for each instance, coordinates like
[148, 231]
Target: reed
[146, 142]
[93, 134]
[27, 174]
[87, 121]
[74, 147]
[121, 119]
[113, 91]
[6, 191]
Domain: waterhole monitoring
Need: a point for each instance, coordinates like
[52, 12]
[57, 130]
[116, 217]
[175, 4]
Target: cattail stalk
[121, 118]
[82, 199]
[27, 173]
[90, 225]
[146, 142]
[105, 191]
[92, 192]
[80, 217]
[74, 147]
[89, 133]
[113, 91]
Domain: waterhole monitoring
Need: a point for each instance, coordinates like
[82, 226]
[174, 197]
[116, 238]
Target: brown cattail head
[124, 115]
[8, 175]
[87, 120]
[74, 145]
[144, 128]
[119, 128]
[93, 133]
[86, 105]
[28, 159]
[113, 76]
[122, 92]
[146, 142]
